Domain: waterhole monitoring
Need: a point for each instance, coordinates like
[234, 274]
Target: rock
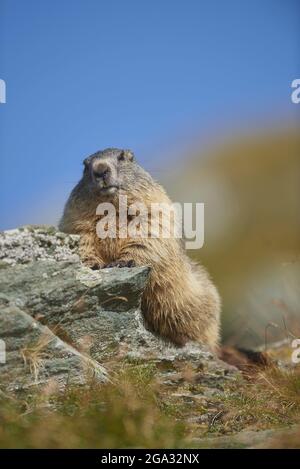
[84, 307]
[29, 243]
[90, 317]
[34, 356]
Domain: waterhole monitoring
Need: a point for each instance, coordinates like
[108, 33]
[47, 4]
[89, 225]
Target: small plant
[35, 354]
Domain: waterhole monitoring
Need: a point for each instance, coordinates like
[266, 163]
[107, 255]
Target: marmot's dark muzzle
[104, 175]
[101, 171]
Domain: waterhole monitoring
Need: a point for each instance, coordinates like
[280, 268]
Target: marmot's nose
[101, 170]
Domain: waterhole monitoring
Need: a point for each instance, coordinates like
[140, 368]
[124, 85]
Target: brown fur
[180, 303]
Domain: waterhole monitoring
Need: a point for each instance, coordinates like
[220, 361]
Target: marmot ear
[129, 155]
[126, 155]
[87, 161]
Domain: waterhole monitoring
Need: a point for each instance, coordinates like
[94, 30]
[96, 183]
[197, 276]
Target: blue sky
[82, 75]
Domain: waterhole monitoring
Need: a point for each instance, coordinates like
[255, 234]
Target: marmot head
[109, 171]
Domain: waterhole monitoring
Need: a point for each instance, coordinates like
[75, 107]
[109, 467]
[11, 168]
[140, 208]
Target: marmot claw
[120, 263]
[92, 264]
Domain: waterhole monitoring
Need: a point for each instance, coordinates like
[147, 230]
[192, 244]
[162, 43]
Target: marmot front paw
[93, 264]
[120, 263]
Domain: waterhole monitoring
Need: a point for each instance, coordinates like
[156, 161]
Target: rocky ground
[63, 325]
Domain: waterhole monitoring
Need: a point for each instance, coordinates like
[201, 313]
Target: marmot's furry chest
[110, 248]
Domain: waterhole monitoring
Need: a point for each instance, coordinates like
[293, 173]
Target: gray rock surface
[29, 243]
[37, 357]
[89, 317]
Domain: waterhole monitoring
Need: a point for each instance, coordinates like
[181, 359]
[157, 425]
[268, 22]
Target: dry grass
[126, 414]
[270, 398]
[134, 411]
[34, 355]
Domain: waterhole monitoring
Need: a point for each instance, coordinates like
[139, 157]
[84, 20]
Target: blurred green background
[251, 189]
